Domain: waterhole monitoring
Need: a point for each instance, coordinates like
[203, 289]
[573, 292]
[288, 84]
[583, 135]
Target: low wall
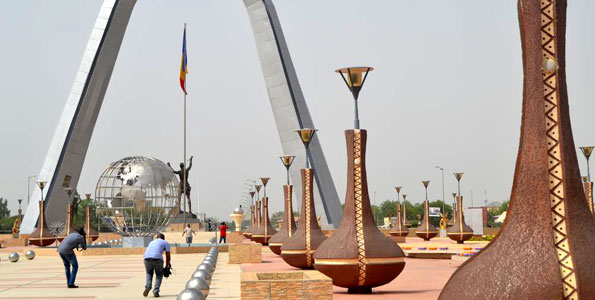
[292, 285]
[125, 251]
[249, 252]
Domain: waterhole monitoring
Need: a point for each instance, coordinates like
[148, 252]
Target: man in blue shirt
[154, 263]
[72, 241]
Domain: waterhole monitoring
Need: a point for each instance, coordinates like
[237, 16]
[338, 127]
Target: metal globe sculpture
[13, 257]
[30, 254]
[198, 284]
[190, 294]
[137, 196]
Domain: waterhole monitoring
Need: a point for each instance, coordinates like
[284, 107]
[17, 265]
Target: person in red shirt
[222, 233]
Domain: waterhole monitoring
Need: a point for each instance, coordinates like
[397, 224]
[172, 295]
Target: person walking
[154, 263]
[66, 250]
[222, 233]
[188, 232]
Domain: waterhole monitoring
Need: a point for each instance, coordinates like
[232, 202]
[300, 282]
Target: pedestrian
[66, 250]
[188, 232]
[154, 263]
[222, 233]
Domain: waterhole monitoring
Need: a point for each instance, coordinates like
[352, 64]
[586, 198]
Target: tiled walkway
[107, 277]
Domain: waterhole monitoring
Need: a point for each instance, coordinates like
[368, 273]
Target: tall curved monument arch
[67, 151]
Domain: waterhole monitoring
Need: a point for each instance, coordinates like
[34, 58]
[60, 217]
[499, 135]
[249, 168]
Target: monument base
[443, 233]
[135, 241]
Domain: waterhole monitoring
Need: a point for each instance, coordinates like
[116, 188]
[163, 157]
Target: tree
[4, 211]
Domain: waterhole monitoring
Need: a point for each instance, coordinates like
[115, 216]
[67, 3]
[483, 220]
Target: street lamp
[354, 78]
[443, 200]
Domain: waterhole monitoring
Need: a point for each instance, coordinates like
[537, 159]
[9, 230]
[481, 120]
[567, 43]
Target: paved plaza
[122, 276]
[107, 277]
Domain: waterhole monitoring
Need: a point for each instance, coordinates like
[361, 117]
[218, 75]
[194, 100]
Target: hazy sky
[447, 90]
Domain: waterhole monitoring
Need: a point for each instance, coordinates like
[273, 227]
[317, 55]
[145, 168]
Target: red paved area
[422, 279]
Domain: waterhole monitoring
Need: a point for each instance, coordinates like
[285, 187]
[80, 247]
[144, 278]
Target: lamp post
[443, 200]
[29, 188]
[354, 78]
[458, 176]
[306, 135]
[587, 152]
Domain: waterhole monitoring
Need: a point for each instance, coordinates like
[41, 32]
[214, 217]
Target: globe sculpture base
[136, 241]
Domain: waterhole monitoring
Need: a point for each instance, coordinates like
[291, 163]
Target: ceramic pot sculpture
[399, 229]
[288, 224]
[92, 235]
[258, 220]
[460, 231]
[545, 247]
[41, 236]
[426, 230]
[265, 231]
[248, 232]
[454, 210]
[406, 222]
[358, 256]
[298, 250]
[68, 229]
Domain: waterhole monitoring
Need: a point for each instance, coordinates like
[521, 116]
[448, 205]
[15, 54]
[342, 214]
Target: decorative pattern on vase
[288, 226]
[298, 250]
[556, 173]
[589, 195]
[359, 222]
[366, 258]
[41, 236]
[308, 189]
[548, 236]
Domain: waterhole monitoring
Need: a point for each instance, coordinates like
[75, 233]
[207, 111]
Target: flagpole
[185, 162]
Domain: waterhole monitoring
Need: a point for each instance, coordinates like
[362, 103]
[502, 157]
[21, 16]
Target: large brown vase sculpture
[288, 223]
[406, 222]
[68, 224]
[546, 245]
[248, 232]
[459, 231]
[41, 236]
[358, 256]
[92, 234]
[298, 250]
[426, 230]
[454, 210]
[399, 229]
[265, 231]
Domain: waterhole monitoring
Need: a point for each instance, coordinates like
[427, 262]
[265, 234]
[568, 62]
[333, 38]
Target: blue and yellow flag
[184, 67]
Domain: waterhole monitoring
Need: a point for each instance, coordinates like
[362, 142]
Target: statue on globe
[183, 174]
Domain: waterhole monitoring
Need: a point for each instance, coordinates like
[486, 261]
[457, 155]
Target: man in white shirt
[154, 263]
[188, 232]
